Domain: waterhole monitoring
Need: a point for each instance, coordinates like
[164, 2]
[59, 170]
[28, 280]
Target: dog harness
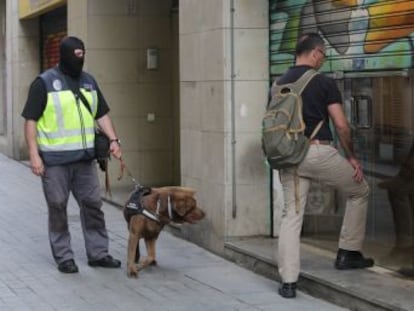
[134, 206]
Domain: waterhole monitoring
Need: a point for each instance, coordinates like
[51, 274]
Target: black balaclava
[69, 63]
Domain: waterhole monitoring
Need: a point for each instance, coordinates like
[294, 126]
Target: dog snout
[195, 215]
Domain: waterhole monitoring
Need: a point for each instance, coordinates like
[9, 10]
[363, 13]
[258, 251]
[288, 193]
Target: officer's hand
[115, 149]
[36, 164]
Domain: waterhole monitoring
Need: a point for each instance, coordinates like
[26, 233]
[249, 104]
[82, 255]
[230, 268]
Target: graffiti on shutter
[360, 35]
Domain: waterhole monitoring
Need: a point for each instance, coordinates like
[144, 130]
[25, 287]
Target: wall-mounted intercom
[152, 58]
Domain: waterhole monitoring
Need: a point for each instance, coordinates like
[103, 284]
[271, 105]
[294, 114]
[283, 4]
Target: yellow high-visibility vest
[66, 124]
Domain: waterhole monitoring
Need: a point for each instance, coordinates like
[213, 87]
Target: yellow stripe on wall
[33, 8]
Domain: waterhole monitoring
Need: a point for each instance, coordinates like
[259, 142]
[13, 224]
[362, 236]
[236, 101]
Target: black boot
[287, 290]
[68, 266]
[352, 260]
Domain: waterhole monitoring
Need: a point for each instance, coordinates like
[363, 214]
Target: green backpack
[283, 140]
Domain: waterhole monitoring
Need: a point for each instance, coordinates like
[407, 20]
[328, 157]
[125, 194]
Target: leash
[107, 184]
[139, 209]
[124, 167]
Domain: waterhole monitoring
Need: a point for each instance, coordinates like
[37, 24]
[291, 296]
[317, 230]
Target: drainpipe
[270, 170]
[233, 113]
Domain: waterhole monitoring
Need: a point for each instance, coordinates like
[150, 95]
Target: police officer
[59, 132]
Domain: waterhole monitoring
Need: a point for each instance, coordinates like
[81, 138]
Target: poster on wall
[360, 35]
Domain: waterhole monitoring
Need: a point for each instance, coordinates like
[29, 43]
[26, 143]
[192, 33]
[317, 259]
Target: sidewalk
[187, 277]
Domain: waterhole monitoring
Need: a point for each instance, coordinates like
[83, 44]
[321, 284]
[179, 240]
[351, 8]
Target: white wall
[21, 66]
[217, 110]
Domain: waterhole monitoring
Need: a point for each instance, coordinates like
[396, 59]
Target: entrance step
[368, 289]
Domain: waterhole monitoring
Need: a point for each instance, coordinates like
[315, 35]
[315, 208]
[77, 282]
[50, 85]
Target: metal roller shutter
[374, 36]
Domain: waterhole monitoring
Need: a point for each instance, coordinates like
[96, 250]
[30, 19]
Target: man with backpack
[322, 101]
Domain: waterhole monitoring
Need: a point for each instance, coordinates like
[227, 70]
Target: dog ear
[187, 190]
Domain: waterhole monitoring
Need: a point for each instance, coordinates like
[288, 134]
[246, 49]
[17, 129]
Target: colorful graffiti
[360, 34]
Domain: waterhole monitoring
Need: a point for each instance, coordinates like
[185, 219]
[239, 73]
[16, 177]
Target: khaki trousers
[323, 163]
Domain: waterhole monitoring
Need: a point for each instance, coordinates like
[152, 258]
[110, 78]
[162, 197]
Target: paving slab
[187, 277]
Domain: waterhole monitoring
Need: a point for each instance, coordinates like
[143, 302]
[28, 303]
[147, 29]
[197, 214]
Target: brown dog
[147, 211]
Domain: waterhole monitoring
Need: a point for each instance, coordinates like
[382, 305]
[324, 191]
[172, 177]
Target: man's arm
[107, 127]
[343, 130]
[30, 134]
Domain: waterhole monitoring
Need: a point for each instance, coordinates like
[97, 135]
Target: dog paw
[132, 272]
[147, 261]
[133, 275]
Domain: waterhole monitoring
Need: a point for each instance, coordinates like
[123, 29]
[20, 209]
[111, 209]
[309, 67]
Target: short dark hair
[307, 42]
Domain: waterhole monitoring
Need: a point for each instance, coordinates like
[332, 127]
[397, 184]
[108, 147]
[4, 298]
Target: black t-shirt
[37, 98]
[317, 96]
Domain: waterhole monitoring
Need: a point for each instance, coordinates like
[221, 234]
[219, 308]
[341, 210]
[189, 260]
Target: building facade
[187, 82]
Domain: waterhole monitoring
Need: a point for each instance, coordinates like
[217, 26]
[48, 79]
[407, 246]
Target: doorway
[380, 112]
[53, 28]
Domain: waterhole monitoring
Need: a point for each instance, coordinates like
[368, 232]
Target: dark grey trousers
[80, 179]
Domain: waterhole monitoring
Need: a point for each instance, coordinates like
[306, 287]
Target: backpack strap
[303, 81]
[300, 85]
[316, 130]
[297, 87]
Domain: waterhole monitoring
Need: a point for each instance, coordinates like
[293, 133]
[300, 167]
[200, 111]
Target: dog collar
[169, 208]
[135, 207]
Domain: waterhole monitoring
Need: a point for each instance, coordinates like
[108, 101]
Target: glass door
[380, 111]
[382, 118]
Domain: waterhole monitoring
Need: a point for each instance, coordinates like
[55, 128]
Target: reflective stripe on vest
[66, 124]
